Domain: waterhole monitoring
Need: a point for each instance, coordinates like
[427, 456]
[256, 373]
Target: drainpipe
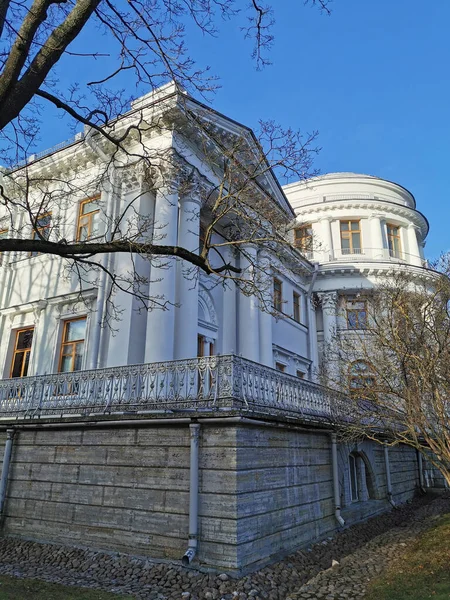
[193, 495]
[5, 468]
[95, 360]
[420, 464]
[388, 475]
[337, 497]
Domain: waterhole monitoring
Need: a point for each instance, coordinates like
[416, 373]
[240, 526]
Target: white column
[376, 237]
[248, 308]
[327, 239]
[186, 314]
[312, 334]
[229, 324]
[413, 257]
[329, 312]
[265, 317]
[159, 342]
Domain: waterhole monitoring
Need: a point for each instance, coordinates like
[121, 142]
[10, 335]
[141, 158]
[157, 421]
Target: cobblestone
[362, 551]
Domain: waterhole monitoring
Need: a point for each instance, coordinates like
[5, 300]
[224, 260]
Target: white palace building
[199, 430]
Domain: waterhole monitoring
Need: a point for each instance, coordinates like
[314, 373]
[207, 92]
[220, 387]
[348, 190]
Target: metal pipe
[5, 468]
[420, 464]
[337, 497]
[193, 495]
[388, 475]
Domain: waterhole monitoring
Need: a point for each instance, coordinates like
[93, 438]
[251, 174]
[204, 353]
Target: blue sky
[373, 78]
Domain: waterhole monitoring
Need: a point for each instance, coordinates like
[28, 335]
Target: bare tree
[397, 370]
[147, 38]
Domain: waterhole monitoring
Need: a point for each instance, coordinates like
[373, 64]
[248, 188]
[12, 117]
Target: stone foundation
[265, 490]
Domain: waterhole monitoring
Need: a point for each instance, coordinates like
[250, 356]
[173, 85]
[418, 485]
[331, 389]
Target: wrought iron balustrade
[214, 382]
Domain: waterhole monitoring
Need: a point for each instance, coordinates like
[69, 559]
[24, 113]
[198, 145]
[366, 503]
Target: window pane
[17, 365]
[78, 356]
[24, 339]
[75, 330]
[362, 319]
[356, 241]
[83, 233]
[44, 221]
[344, 225]
[88, 207]
[66, 364]
[351, 319]
[345, 243]
[355, 225]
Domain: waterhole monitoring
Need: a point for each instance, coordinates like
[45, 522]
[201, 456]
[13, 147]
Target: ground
[405, 540]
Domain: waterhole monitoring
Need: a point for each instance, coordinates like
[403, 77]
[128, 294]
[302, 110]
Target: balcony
[216, 383]
[372, 254]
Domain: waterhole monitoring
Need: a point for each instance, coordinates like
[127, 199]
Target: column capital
[328, 299]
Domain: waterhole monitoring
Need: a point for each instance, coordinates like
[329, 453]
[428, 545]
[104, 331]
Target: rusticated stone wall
[264, 490]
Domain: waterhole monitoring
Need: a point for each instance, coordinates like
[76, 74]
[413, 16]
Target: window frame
[359, 326]
[362, 377]
[297, 307]
[37, 231]
[277, 294]
[71, 342]
[88, 215]
[392, 238]
[304, 243]
[348, 234]
[18, 351]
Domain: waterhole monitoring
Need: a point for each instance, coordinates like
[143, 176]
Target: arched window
[361, 376]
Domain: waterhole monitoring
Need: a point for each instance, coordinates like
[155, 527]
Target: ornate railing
[215, 382]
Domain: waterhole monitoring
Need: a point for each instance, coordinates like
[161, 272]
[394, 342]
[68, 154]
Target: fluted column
[413, 246]
[186, 314]
[329, 311]
[229, 322]
[312, 334]
[248, 307]
[376, 236]
[327, 239]
[159, 343]
[265, 317]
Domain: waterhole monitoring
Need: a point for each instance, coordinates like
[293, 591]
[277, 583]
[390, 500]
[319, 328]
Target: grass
[422, 572]
[12, 588]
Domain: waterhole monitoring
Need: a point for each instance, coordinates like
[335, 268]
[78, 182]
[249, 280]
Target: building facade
[196, 427]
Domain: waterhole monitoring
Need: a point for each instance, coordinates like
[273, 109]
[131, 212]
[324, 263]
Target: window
[88, 219]
[361, 376]
[3, 235]
[280, 367]
[303, 238]
[351, 237]
[205, 347]
[277, 295]
[353, 478]
[394, 243]
[72, 346]
[296, 303]
[22, 349]
[41, 229]
[300, 375]
[356, 314]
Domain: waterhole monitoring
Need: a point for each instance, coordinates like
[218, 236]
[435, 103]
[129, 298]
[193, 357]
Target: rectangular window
[353, 478]
[394, 243]
[303, 238]
[356, 314]
[88, 218]
[296, 303]
[72, 345]
[277, 295]
[22, 349]
[3, 235]
[351, 237]
[280, 367]
[300, 375]
[41, 229]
